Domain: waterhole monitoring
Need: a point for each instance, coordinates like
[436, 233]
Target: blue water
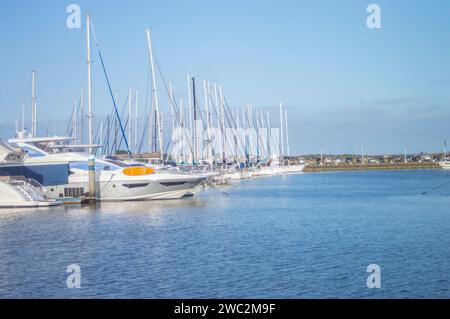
[293, 236]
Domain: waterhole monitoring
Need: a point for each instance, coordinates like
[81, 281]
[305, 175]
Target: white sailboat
[445, 164]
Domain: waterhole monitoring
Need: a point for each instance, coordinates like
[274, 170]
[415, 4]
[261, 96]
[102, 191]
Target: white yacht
[294, 168]
[445, 164]
[115, 180]
[18, 192]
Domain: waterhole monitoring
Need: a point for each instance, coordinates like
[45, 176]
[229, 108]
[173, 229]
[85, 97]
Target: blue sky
[342, 83]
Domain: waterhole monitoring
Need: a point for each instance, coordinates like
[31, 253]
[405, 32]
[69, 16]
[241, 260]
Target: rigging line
[95, 137]
[175, 108]
[260, 148]
[72, 119]
[69, 124]
[121, 138]
[233, 122]
[116, 146]
[110, 92]
[111, 144]
[67, 78]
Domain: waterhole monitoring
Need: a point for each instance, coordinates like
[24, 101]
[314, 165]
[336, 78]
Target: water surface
[292, 236]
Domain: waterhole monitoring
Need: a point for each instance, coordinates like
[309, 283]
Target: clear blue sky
[342, 83]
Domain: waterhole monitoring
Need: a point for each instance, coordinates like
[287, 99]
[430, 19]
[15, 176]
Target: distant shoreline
[369, 167]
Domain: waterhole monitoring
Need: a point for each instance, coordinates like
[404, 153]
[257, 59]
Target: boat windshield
[32, 152]
[99, 166]
[116, 162]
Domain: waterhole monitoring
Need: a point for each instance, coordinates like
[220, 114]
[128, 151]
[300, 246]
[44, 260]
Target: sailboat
[445, 164]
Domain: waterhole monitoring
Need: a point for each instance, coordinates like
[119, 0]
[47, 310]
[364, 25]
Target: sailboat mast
[281, 128]
[33, 104]
[287, 132]
[130, 112]
[224, 136]
[155, 94]
[195, 119]
[82, 116]
[172, 107]
[269, 135]
[205, 92]
[136, 122]
[75, 116]
[445, 150]
[182, 126]
[89, 63]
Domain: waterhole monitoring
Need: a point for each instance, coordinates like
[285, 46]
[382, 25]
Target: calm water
[297, 236]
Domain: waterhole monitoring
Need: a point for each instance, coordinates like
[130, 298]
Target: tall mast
[281, 128]
[23, 118]
[218, 118]
[89, 63]
[222, 108]
[33, 104]
[261, 136]
[269, 135]
[190, 111]
[238, 153]
[406, 149]
[252, 146]
[362, 154]
[101, 133]
[287, 132]
[161, 125]
[172, 106]
[130, 112]
[82, 117]
[155, 94]
[195, 120]
[445, 150]
[207, 122]
[75, 118]
[136, 122]
[182, 137]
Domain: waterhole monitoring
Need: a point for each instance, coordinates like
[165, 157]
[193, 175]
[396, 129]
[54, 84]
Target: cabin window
[32, 152]
[99, 166]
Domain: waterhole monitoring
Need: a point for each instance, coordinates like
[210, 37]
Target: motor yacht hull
[445, 165]
[123, 188]
[21, 194]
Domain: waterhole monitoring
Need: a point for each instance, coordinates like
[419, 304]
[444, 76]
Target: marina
[102, 170]
[234, 151]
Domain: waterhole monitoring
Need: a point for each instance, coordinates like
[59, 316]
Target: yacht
[445, 164]
[18, 192]
[294, 168]
[115, 180]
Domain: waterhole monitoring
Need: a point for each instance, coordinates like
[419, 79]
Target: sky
[344, 85]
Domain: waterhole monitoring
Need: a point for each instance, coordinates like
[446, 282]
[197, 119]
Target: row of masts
[216, 115]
